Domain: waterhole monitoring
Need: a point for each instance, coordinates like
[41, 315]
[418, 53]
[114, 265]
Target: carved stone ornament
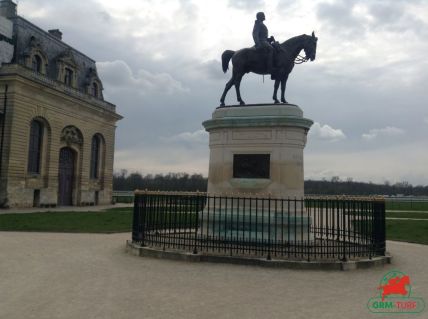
[34, 47]
[33, 44]
[67, 58]
[71, 135]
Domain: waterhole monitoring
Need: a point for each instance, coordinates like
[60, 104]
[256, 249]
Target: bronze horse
[252, 60]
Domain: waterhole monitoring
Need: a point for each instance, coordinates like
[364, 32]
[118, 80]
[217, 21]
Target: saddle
[264, 50]
[262, 55]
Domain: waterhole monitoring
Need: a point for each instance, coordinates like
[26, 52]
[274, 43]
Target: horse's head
[406, 280]
[310, 46]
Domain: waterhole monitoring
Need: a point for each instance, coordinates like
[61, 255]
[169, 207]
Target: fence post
[137, 227]
[379, 234]
[196, 204]
[269, 257]
[135, 220]
[344, 216]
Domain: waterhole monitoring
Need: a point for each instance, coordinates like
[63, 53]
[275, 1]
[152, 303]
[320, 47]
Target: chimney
[7, 9]
[56, 33]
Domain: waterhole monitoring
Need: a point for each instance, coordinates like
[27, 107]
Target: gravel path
[45, 275]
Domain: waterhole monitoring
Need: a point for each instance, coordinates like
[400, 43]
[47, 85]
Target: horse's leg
[238, 79]
[227, 88]
[275, 91]
[283, 84]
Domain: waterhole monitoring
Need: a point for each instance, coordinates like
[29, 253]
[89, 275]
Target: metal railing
[415, 203]
[123, 197]
[296, 229]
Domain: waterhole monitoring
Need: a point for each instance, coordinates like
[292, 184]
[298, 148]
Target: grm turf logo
[395, 295]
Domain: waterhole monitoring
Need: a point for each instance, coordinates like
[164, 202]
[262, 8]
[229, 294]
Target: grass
[407, 230]
[114, 220]
[418, 215]
[406, 205]
[124, 199]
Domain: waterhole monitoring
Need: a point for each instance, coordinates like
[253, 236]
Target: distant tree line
[122, 181]
[335, 186]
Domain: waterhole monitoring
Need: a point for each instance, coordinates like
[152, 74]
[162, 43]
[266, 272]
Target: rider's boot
[270, 68]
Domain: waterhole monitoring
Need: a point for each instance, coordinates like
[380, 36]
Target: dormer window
[95, 89]
[68, 76]
[34, 57]
[93, 84]
[67, 69]
[37, 64]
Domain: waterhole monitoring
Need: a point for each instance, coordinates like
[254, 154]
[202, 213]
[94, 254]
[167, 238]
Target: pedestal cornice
[258, 115]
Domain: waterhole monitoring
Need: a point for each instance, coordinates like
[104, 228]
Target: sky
[159, 61]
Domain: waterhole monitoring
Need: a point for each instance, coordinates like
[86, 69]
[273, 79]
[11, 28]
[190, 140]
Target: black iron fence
[300, 229]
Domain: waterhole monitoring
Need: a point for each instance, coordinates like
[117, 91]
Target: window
[95, 156]
[95, 89]
[68, 78]
[35, 149]
[37, 64]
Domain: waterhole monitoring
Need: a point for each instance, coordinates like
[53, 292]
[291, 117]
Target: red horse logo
[395, 286]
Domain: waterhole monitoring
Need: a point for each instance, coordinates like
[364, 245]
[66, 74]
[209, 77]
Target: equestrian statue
[267, 57]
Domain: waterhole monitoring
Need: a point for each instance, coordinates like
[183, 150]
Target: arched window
[37, 64]
[68, 77]
[95, 156]
[95, 89]
[35, 148]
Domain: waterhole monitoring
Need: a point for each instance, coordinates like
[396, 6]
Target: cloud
[394, 17]
[388, 131]
[396, 163]
[160, 159]
[200, 136]
[355, 18]
[162, 70]
[326, 132]
[341, 17]
[212, 69]
[118, 74]
[249, 5]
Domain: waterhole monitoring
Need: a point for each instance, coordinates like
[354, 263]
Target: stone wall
[58, 86]
[29, 99]
[278, 132]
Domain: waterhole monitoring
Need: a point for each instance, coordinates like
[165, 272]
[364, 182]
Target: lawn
[406, 205]
[407, 230]
[114, 220]
[418, 215]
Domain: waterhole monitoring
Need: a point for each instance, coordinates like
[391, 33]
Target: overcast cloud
[160, 64]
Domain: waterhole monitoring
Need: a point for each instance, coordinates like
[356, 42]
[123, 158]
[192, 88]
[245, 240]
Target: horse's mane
[292, 41]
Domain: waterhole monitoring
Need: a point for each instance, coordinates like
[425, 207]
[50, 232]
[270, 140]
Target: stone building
[56, 130]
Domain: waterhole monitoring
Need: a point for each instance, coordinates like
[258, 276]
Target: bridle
[300, 59]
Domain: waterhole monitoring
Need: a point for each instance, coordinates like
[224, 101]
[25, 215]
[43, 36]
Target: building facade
[56, 130]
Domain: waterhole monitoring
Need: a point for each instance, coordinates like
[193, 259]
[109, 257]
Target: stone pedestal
[257, 149]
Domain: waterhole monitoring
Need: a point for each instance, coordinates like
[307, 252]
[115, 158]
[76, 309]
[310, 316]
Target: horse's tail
[225, 58]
